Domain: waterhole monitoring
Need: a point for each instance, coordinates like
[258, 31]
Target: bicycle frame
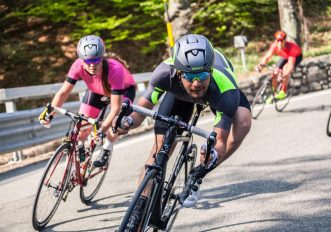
[71, 140]
[160, 165]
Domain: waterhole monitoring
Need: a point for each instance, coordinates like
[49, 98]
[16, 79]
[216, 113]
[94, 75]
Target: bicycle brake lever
[125, 111]
[210, 143]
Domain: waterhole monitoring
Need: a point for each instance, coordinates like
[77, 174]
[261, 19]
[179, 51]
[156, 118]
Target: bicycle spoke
[52, 187]
[93, 176]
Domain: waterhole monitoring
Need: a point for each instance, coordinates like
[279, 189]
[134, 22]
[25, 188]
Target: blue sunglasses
[202, 76]
[93, 61]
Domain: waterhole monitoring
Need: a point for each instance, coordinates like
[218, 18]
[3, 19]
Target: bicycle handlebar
[71, 115]
[210, 136]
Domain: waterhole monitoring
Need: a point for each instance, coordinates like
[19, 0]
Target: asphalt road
[279, 180]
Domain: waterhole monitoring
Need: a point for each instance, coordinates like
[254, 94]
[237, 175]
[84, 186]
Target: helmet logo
[197, 68]
[195, 52]
[91, 47]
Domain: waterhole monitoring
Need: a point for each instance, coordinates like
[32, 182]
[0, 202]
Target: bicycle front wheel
[183, 165]
[52, 187]
[93, 177]
[132, 221]
[328, 126]
[260, 100]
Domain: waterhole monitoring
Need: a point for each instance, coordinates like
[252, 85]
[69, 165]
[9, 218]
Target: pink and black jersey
[119, 78]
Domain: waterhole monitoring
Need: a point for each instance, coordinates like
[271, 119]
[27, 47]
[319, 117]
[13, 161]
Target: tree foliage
[33, 31]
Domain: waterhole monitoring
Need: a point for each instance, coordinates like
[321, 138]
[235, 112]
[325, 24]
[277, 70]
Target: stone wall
[313, 74]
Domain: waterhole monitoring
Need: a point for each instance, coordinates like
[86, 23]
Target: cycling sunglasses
[93, 61]
[191, 77]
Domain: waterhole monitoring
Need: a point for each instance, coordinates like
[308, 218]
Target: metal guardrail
[21, 129]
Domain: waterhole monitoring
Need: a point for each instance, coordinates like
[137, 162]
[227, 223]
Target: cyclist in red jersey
[291, 56]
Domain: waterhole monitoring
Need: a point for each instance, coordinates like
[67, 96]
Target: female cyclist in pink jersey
[103, 77]
[291, 56]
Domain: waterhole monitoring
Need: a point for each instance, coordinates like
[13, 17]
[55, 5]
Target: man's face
[280, 44]
[196, 85]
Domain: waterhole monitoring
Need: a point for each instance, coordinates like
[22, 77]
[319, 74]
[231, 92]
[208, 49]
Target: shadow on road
[241, 190]
[125, 200]
[76, 220]
[308, 109]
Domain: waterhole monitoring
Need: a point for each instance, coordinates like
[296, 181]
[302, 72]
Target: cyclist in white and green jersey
[197, 73]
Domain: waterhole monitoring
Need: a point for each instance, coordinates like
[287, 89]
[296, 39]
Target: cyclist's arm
[266, 58]
[221, 140]
[226, 108]
[62, 95]
[289, 66]
[116, 103]
[138, 118]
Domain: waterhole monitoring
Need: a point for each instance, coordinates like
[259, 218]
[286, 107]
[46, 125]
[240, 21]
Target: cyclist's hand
[213, 158]
[259, 67]
[45, 118]
[125, 126]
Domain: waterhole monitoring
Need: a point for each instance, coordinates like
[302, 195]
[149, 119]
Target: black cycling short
[282, 61]
[94, 99]
[173, 106]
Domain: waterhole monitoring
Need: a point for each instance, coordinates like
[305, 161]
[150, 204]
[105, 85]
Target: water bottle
[81, 152]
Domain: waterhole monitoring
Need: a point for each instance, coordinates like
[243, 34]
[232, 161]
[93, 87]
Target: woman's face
[93, 68]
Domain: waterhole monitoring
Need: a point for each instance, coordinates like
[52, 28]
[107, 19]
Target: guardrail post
[10, 106]
[17, 156]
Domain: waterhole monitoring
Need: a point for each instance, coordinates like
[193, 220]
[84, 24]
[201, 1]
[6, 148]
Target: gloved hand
[125, 126]
[45, 118]
[213, 158]
[259, 67]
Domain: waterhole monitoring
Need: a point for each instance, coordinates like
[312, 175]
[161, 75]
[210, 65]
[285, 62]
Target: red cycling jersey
[290, 49]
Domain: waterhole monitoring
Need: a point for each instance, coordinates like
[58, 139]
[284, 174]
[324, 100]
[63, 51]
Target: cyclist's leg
[279, 68]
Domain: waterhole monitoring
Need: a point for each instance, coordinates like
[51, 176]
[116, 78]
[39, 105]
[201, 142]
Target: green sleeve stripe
[218, 117]
[222, 81]
[224, 59]
[156, 94]
[228, 68]
[169, 61]
[232, 74]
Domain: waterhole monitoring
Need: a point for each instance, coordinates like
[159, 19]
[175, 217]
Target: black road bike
[65, 170]
[161, 206]
[265, 92]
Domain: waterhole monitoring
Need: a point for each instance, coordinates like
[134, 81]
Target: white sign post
[240, 42]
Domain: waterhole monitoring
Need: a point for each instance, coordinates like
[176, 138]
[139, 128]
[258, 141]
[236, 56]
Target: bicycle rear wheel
[183, 165]
[93, 176]
[280, 105]
[52, 187]
[260, 99]
[148, 188]
[328, 126]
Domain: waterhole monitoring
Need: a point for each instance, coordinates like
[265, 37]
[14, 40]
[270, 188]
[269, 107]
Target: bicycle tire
[150, 181]
[93, 177]
[259, 100]
[53, 168]
[280, 105]
[328, 126]
[178, 184]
